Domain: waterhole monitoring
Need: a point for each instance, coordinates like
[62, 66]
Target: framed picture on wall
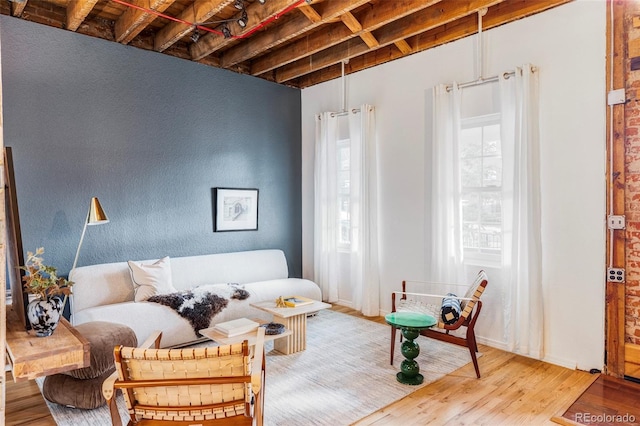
[236, 209]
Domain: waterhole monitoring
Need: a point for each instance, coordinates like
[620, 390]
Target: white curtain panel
[521, 263]
[365, 277]
[363, 265]
[326, 224]
[446, 252]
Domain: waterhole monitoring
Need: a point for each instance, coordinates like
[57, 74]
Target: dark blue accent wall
[150, 135]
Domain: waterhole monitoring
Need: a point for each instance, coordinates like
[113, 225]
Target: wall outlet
[616, 222]
[615, 275]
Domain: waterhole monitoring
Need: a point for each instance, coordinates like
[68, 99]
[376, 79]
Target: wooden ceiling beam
[77, 11]
[403, 47]
[296, 26]
[512, 10]
[17, 7]
[508, 11]
[310, 13]
[133, 21]
[257, 14]
[376, 16]
[199, 12]
[369, 39]
[426, 19]
[352, 23]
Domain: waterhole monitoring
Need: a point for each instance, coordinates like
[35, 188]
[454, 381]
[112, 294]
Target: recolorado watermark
[587, 418]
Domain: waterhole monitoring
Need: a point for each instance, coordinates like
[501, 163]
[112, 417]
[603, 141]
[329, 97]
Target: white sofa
[105, 292]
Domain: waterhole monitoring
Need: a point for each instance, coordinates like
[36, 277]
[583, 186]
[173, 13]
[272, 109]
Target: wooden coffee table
[294, 319]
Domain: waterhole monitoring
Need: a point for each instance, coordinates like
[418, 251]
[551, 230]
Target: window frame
[480, 256]
[340, 145]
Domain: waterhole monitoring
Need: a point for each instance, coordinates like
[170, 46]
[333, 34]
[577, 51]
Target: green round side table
[410, 323]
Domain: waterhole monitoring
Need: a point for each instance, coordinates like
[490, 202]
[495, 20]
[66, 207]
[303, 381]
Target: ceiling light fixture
[195, 36]
[226, 32]
[262, 1]
[244, 19]
[239, 5]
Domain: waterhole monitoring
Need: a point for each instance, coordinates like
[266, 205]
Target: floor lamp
[95, 216]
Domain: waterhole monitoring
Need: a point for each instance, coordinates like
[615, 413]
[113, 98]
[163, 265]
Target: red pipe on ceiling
[211, 30]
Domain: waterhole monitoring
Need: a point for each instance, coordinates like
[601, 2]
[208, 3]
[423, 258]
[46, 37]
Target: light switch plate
[615, 97]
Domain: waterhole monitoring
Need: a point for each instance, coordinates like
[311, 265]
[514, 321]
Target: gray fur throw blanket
[200, 305]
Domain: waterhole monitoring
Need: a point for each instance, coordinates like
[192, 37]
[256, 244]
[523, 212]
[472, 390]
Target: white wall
[567, 44]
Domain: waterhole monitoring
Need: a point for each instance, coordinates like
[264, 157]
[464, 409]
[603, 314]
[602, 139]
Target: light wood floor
[513, 390]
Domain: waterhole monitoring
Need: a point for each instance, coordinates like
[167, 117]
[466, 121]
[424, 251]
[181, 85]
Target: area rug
[342, 376]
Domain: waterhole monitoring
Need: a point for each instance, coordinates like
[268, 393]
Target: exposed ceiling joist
[257, 14]
[17, 7]
[293, 42]
[134, 20]
[426, 19]
[295, 27]
[77, 11]
[199, 12]
[374, 17]
[507, 11]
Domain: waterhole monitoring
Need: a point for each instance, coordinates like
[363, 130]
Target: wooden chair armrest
[108, 386]
[258, 360]
[108, 391]
[152, 341]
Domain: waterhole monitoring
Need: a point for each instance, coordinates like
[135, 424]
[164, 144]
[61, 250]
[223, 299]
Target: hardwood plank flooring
[607, 396]
[25, 404]
[513, 390]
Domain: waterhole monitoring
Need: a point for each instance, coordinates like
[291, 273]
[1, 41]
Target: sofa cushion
[151, 279]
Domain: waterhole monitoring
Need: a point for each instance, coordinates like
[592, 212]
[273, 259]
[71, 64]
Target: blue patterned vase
[44, 315]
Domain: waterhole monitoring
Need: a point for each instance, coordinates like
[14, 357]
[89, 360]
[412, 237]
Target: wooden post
[616, 240]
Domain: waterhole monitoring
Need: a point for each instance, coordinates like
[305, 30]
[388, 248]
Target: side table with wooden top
[294, 319]
[31, 356]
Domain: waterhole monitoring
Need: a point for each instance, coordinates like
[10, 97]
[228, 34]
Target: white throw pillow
[151, 279]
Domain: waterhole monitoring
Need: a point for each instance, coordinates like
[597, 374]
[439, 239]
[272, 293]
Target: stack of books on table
[295, 301]
[236, 327]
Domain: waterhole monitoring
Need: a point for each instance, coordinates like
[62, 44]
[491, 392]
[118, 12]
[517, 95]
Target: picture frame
[236, 209]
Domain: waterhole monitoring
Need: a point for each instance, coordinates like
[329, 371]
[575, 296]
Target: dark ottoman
[82, 388]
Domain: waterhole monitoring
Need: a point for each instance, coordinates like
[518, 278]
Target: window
[344, 193]
[481, 187]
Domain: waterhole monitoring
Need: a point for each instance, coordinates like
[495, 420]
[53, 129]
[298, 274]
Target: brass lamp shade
[96, 214]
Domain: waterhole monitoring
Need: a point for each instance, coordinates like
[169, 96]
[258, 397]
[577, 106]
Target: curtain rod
[481, 81]
[339, 113]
